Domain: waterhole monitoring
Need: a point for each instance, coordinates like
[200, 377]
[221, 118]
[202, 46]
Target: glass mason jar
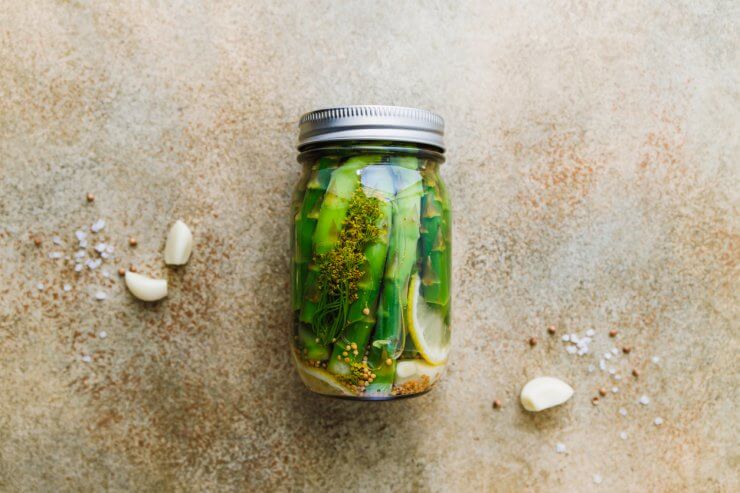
[371, 253]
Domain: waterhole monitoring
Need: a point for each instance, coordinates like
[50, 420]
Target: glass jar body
[371, 270]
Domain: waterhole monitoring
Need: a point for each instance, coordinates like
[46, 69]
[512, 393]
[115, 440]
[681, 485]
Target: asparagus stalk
[305, 224]
[343, 183]
[435, 253]
[377, 182]
[312, 349]
[389, 332]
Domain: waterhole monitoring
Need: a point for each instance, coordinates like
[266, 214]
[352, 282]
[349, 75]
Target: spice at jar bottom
[371, 253]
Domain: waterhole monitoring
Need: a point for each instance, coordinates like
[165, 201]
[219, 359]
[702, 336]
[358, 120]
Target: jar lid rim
[371, 122]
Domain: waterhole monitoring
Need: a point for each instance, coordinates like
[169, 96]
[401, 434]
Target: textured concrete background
[593, 162]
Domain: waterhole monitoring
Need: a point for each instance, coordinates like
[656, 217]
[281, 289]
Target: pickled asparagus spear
[312, 349]
[435, 254]
[342, 185]
[377, 182]
[402, 250]
[305, 224]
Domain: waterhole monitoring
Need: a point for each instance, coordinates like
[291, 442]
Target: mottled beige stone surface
[594, 169]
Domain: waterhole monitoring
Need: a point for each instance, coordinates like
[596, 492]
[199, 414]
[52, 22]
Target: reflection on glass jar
[371, 262]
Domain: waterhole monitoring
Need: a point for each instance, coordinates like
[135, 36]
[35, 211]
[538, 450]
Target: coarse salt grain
[608, 355]
[590, 332]
[100, 247]
[644, 400]
[109, 248]
[615, 351]
[56, 240]
[602, 365]
[565, 338]
[623, 435]
[574, 338]
[105, 273]
[597, 478]
[615, 390]
[80, 235]
[560, 448]
[104, 255]
[80, 254]
[67, 287]
[658, 421]
[55, 255]
[571, 349]
[83, 244]
[655, 359]
[591, 368]
[617, 377]
[100, 295]
[622, 411]
[582, 351]
[97, 226]
[86, 358]
[78, 267]
[40, 286]
[612, 371]
[103, 334]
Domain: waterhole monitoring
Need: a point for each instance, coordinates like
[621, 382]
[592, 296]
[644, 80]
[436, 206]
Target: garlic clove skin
[145, 288]
[179, 244]
[544, 392]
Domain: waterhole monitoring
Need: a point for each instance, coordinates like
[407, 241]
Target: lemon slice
[427, 327]
[320, 380]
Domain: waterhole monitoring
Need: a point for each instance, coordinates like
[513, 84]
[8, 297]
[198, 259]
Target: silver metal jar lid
[371, 122]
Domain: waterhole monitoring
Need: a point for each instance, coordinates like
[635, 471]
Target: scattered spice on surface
[132, 268]
[389, 362]
[121, 271]
[595, 401]
[627, 349]
[90, 197]
[602, 391]
[636, 373]
[133, 241]
[37, 241]
[612, 333]
[551, 330]
[533, 341]
[497, 404]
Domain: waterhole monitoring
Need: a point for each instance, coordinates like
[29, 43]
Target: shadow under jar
[371, 253]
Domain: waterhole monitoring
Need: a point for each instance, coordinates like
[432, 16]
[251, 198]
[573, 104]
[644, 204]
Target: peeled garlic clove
[146, 288]
[179, 244]
[544, 392]
[415, 369]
